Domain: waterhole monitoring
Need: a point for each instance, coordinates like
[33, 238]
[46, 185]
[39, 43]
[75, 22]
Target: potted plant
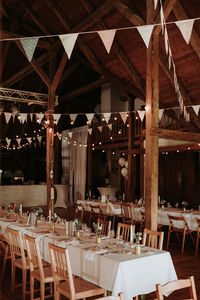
[97, 229]
[138, 238]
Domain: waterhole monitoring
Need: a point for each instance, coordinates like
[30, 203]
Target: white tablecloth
[109, 208]
[118, 272]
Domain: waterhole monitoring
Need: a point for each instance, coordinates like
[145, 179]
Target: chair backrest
[120, 297]
[175, 286]
[126, 210]
[12, 205]
[79, 210]
[152, 238]
[95, 209]
[14, 239]
[124, 230]
[34, 256]
[175, 220]
[106, 225]
[61, 267]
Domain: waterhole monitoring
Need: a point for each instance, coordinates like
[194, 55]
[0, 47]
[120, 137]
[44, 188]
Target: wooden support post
[130, 188]
[141, 168]
[152, 109]
[50, 148]
[90, 163]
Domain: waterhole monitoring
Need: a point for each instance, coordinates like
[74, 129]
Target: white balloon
[121, 161]
[126, 164]
[124, 172]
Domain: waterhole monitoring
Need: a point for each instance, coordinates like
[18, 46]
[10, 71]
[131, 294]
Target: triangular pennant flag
[155, 3]
[7, 117]
[123, 116]
[161, 111]
[70, 134]
[90, 130]
[107, 37]
[56, 118]
[141, 114]
[18, 142]
[89, 117]
[73, 117]
[100, 128]
[60, 136]
[196, 109]
[39, 139]
[29, 140]
[23, 118]
[29, 46]
[8, 142]
[145, 32]
[107, 116]
[185, 28]
[68, 41]
[40, 117]
[110, 127]
[162, 18]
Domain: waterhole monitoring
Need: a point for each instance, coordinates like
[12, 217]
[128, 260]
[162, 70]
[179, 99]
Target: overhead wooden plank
[176, 135]
[167, 8]
[127, 13]
[84, 89]
[180, 14]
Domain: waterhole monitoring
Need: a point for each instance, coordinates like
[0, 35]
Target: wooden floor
[185, 265]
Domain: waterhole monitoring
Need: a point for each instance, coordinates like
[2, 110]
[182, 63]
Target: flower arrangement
[138, 237]
[97, 229]
[38, 212]
[185, 204]
[162, 202]
[77, 224]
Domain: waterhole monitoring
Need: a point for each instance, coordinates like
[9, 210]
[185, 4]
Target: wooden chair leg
[42, 290]
[4, 265]
[24, 274]
[168, 238]
[12, 279]
[31, 287]
[183, 242]
[197, 243]
[56, 294]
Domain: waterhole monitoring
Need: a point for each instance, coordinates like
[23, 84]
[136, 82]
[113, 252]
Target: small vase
[137, 249]
[184, 208]
[77, 234]
[98, 239]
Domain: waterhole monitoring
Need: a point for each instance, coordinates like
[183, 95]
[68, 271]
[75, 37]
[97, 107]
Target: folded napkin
[90, 254]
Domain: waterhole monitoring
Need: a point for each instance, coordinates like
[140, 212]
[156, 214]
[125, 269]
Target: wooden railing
[119, 130]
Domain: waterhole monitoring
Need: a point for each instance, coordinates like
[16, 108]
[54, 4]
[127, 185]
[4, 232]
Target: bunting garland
[107, 37]
[29, 45]
[68, 41]
[185, 28]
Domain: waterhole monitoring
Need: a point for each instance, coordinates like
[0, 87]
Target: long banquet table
[112, 266]
[114, 209]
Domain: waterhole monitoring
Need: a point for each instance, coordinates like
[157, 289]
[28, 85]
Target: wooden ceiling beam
[84, 89]
[176, 135]
[128, 14]
[59, 72]
[69, 71]
[180, 14]
[58, 12]
[35, 17]
[138, 81]
[35, 66]
[167, 8]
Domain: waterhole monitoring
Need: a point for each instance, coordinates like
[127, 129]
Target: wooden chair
[5, 256]
[123, 230]
[39, 270]
[106, 225]
[95, 213]
[18, 258]
[184, 229]
[126, 212]
[64, 282]
[12, 205]
[120, 297]
[142, 222]
[198, 236]
[79, 211]
[175, 286]
[151, 237]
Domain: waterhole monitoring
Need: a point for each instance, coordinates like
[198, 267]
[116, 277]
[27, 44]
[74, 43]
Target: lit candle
[20, 209]
[49, 216]
[131, 234]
